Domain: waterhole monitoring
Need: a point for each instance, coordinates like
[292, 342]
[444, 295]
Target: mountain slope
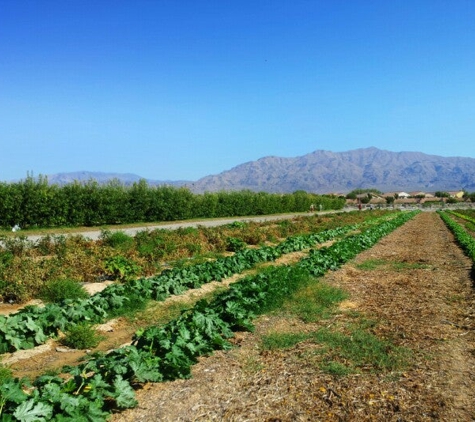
[325, 171]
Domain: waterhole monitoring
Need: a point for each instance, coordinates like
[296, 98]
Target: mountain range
[325, 172]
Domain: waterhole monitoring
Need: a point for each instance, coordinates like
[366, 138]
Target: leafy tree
[206, 205]
[366, 199]
[139, 201]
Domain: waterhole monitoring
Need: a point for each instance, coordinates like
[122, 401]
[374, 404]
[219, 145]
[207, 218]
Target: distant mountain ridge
[323, 172]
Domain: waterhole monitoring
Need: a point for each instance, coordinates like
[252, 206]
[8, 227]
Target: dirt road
[415, 290]
[95, 234]
[132, 231]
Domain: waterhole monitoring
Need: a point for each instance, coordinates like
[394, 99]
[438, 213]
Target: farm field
[413, 287]
[24, 339]
[395, 342]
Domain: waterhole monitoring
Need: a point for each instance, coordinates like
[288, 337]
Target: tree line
[33, 202]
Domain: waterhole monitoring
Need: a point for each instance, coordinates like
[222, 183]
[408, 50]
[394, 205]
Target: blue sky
[180, 89]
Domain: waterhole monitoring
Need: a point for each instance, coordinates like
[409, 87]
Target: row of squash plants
[105, 382]
[33, 325]
[464, 239]
[465, 216]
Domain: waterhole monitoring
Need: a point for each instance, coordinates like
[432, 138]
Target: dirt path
[95, 234]
[414, 285]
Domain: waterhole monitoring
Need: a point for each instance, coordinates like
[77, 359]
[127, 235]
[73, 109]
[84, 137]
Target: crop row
[470, 212]
[464, 239]
[464, 216]
[33, 325]
[167, 352]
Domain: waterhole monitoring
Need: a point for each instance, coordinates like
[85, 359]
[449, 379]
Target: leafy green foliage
[33, 202]
[11, 395]
[121, 268]
[467, 215]
[5, 374]
[6, 258]
[233, 244]
[117, 239]
[466, 241]
[33, 411]
[81, 336]
[58, 290]
[353, 194]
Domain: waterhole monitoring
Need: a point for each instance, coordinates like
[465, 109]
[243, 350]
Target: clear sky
[180, 89]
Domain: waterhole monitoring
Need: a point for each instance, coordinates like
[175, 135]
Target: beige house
[456, 194]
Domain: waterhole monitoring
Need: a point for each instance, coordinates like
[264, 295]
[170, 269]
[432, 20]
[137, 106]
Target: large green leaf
[123, 393]
[33, 411]
[11, 390]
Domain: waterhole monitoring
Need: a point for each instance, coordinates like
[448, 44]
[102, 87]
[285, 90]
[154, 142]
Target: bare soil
[422, 298]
